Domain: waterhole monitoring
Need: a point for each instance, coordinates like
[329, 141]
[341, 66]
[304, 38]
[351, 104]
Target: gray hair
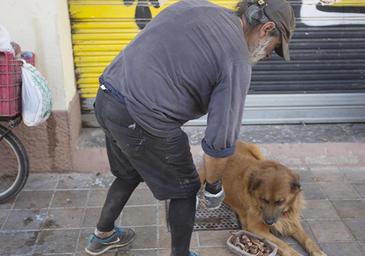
[254, 14]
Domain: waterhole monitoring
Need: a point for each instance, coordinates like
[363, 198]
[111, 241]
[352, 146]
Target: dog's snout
[270, 220]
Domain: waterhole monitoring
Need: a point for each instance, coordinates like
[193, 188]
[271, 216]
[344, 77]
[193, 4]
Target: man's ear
[267, 28]
[253, 183]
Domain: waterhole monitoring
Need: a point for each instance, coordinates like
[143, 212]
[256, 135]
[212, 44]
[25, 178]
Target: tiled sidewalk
[55, 213]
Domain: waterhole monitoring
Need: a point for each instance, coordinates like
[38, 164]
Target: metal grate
[222, 218]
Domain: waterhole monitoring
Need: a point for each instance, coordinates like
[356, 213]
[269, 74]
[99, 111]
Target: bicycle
[14, 163]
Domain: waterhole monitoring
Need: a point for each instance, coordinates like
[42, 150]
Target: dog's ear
[253, 183]
[295, 183]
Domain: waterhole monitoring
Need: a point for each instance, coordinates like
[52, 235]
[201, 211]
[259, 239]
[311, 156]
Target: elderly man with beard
[194, 58]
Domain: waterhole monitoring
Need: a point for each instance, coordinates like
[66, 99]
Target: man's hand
[214, 168]
[211, 174]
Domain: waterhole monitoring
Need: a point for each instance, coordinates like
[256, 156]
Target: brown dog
[267, 197]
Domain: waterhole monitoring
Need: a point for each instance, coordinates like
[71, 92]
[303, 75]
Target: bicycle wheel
[14, 165]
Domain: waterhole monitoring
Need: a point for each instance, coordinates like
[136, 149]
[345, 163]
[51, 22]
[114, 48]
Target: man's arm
[224, 118]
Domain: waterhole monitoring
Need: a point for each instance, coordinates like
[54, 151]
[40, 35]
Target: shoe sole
[110, 247]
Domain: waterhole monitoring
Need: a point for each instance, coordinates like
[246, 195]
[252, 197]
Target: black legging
[118, 195]
[181, 215]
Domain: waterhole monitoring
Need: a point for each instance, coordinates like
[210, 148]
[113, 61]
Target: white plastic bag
[5, 41]
[36, 96]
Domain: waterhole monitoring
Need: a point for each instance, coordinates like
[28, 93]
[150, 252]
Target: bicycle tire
[23, 168]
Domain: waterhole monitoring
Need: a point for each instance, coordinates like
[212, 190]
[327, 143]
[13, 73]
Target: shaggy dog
[267, 197]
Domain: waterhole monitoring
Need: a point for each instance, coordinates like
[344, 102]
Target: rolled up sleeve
[225, 110]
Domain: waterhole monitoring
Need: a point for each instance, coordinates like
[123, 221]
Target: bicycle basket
[10, 82]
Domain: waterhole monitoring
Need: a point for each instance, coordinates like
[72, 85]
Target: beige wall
[43, 27]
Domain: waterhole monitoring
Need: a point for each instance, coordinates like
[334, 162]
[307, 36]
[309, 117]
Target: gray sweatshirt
[190, 60]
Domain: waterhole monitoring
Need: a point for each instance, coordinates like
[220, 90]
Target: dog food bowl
[244, 243]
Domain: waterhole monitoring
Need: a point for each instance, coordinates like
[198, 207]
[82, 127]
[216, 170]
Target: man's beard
[258, 52]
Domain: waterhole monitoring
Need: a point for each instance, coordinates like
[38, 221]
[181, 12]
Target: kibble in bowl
[244, 243]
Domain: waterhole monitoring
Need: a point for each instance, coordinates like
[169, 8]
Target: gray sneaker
[121, 238]
[213, 201]
[205, 199]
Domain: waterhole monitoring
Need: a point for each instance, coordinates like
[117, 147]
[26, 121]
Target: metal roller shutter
[327, 50]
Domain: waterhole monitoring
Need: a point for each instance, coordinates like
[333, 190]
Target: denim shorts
[164, 163]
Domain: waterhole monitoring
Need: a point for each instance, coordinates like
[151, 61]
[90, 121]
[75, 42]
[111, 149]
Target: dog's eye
[279, 202]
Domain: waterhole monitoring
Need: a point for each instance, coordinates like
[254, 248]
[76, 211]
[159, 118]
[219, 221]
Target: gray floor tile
[41, 181]
[162, 214]
[64, 218]
[330, 231]
[17, 242]
[91, 217]
[140, 216]
[319, 209]
[354, 174]
[312, 191]
[114, 252]
[8, 204]
[57, 241]
[221, 251]
[342, 249]
[142, 197]
[327, 174]
[33, 199]
[25, 219]
[146, 238]
[357, 227]
[164, 238]
[362, 246]
[140, 253]
[360, 188]
[126, 252]
[339, 190]
[97, 197]
[350, 208]
[75, 181]
[306, 176]
[102, 181]
[70, 198]
[213, 238]
[3, 216]
[53, 254]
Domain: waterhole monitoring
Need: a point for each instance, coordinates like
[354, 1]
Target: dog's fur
[267, 197]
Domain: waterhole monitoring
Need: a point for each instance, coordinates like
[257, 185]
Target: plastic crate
[10, 83]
